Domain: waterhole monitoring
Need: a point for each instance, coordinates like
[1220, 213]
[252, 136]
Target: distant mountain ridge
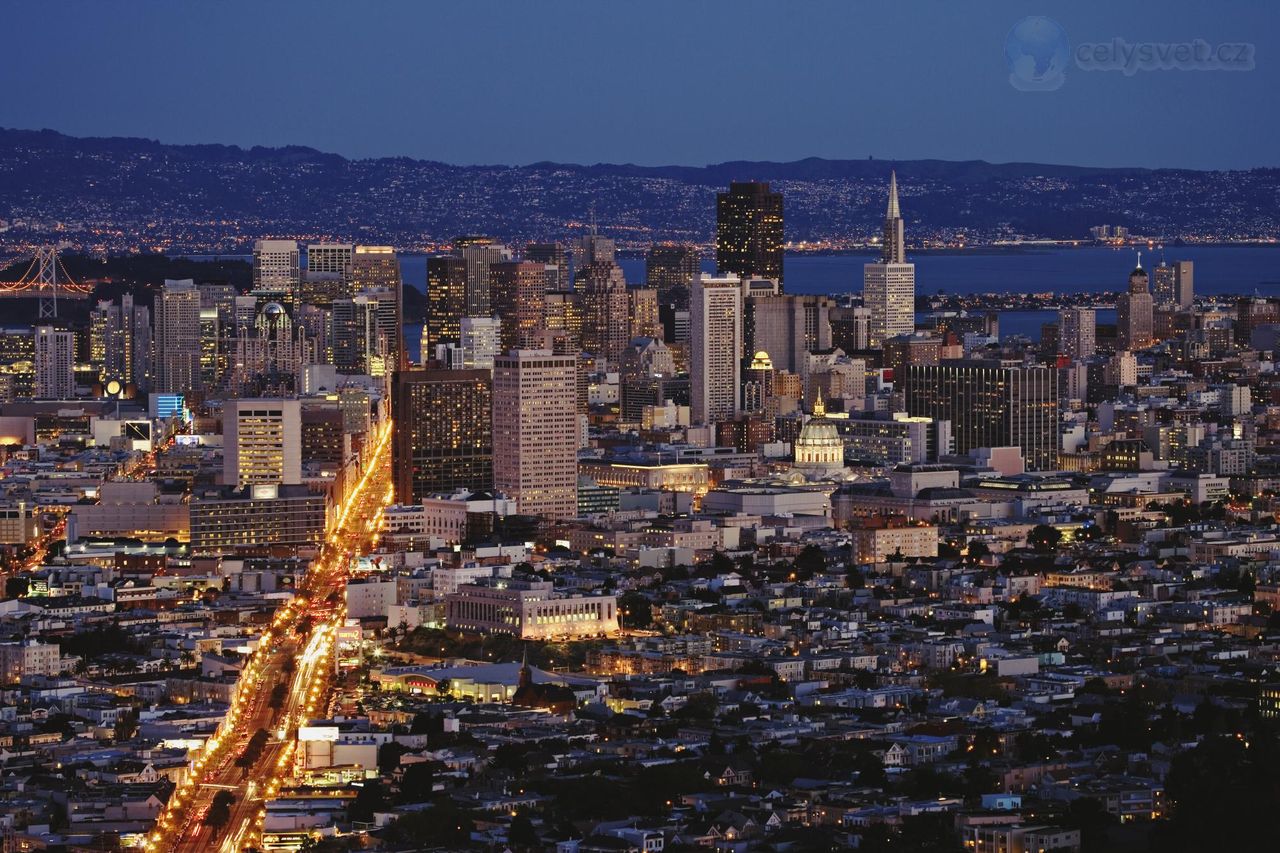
[120, 193]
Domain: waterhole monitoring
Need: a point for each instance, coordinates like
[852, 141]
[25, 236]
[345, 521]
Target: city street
[296, 650]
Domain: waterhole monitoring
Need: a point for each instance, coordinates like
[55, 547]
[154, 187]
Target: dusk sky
[650, 83]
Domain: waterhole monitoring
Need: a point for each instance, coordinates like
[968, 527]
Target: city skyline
[877, 504]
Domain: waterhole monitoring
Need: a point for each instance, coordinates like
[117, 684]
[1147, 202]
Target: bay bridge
[45, 279]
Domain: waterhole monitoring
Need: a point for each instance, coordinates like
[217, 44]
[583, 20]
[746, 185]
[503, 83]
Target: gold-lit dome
[819, 446]
[761, 361]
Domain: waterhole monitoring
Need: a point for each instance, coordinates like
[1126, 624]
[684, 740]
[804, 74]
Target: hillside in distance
[110, 195]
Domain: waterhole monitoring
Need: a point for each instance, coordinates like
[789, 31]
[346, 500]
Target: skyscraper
[535, 431]
[480, 253]
[715, 375]
[365, 332]
[446, 299]
[670, 269]
[376, 268]
[787, 327]
[889, 287]
[177, 338]
[479, 342]
[1077, 333]
[55, 363]
[328, 273]
[105, 352]
[1184, 284]
[602, 290]
[1135, 312]
[749, 233]
[593, 249]
[277, 270]
[1163, 288]
[990, 405]
[644, 313]
[564, 314]
[262, 442]
[443, 439]
[516, 291]
[332, 258]
[551, 255]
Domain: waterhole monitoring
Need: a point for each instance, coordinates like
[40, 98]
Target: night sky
[687, 82]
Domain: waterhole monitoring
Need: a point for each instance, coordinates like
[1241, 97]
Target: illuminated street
[296, 650]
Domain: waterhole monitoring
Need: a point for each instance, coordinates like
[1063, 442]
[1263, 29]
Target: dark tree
[636, 610]
[1044, 538]
[521, 834]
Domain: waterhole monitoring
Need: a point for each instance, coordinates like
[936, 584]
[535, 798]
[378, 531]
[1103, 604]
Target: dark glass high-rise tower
[443, 438]
[670, 269]
[990, 404]
[749, 231]
[446, 299]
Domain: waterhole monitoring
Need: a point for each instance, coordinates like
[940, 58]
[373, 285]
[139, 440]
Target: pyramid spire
[893, 212]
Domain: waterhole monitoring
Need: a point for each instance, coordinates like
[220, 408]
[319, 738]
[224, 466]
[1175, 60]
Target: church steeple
[526, 675]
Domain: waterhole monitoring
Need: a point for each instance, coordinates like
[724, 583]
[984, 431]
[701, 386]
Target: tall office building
[328, 273]
[889, 287]
[715, 375]
[749, 234]
[1184, 288]
[555, 258]
[670, 269]
[516, 291]
[212, 365]
[330, 258]
[277, 270]
[365, 333]
[479, 254]
[267, 357]
[443, 439]
[446, 300]
[480, 342]
[644, 314]
[593, 249]
[1163, 289]
[563, 313]
[535, 431]
[1077, 333]
[990, 405]
[177, 338]
[55, 363]
[602, 291]
[788, 328]
[105, 339]
[262, 442]
[851, 328]
[376, 268]
[1135, 312]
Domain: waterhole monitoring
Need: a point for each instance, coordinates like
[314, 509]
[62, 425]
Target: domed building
[819, 451]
